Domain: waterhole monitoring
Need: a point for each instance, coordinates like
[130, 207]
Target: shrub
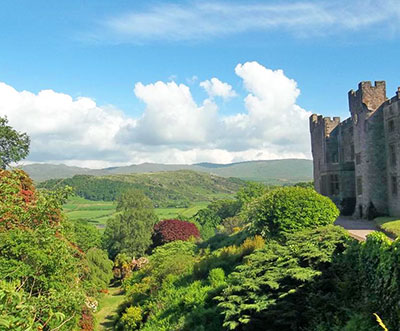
[289, 209]
[227, 257]
[131, 319]
[208, 220]
[216, 277]
[271, 287]
[171, 230]
[232, 224]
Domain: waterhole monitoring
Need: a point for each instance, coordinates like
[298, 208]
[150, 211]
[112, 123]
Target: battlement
[327, 124]
[367, 96]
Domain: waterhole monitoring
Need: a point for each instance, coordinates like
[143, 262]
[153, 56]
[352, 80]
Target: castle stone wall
[359, 159]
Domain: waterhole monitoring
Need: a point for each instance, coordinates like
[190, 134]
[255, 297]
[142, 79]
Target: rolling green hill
[166, 189]
[271, 171]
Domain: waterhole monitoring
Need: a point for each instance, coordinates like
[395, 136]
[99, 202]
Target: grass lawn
[108, 308]
[98, 212]
[168, 213]
[391, 225]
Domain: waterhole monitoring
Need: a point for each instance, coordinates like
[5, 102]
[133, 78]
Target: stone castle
[356, 161]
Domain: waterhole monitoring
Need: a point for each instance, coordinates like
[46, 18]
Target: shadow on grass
[108, 322]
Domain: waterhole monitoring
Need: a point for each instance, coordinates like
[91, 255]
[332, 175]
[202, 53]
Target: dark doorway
[360, 211]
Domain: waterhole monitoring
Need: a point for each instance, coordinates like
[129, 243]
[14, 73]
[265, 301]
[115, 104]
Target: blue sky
[98, 51]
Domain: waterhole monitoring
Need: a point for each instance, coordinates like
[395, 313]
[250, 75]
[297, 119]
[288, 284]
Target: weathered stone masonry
[356, 162]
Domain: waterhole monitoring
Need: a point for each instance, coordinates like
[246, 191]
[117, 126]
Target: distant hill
[270, 171]
[166, 189]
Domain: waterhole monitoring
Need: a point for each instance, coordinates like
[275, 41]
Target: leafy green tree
[251, 191]
[15, 312]
[100, 268]
[47, 269]
[82, 233]
[225, 208]
[131, 229]
[207, 221]
[14, 146]
[289, 209]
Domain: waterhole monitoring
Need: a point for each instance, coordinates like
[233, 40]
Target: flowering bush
[22, 206]
[171, 230]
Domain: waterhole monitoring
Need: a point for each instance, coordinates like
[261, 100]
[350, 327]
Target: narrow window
[359, 185]
[334, 157]
[392, 155]
[394, 186]
[334, 187]
[391, 125]
[358, 158]
[352, 152]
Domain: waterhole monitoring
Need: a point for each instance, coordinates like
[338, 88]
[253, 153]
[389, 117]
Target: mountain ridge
[278, 171]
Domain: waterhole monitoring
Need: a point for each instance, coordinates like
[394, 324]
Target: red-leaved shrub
[86, 322]
[170, 230]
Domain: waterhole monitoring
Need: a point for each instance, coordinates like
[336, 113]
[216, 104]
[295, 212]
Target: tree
[130, 230]
[251, 191]
[100, 268]
[14, 146]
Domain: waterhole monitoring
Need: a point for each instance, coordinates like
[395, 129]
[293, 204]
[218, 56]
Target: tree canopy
[14, 146]
[130, 230]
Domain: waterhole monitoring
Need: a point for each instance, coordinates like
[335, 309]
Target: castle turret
[320, 129]
[366, 112]
[367, 98]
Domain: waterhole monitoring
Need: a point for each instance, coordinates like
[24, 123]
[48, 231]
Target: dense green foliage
[14, 146]
[290, 209]
[47, 279]
[165, 189]
[129, 231]
[16, 312]
[83, 234]
[212, 218]
[362, 281]
[270, 290]
[175, 290]
[47, 268]
[100, 267]
[251, 191]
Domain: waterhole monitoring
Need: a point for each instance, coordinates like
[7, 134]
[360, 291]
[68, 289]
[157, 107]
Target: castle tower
[369, 148]
[321, 129]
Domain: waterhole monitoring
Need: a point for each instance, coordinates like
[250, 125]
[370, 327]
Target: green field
[98, 212]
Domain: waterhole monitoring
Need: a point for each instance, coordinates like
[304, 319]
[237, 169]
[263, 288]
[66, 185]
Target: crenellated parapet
[368, 97]
[326, 124]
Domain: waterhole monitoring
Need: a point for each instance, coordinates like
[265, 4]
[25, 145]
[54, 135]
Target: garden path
[109, 304]
[357, 228]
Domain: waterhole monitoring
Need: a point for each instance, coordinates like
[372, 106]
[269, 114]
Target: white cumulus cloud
[215, 88]
[173, 127]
